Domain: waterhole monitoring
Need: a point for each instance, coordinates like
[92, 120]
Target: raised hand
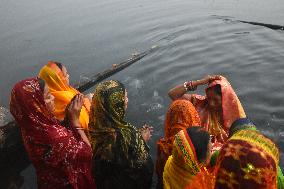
[146, 132]
[74, 110]
[209, 78]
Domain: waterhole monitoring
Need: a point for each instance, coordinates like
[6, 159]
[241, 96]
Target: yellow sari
[63, 93]
[182, 165]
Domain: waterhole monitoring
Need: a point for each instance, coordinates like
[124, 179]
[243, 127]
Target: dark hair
[41, 84]
[241, 124]
[217, 89]
[200, 140]
[59, 65]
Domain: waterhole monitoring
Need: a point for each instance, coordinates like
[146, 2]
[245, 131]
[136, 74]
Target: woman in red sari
[217, 110]
[181, 115]
[61, 155]
[247, 160]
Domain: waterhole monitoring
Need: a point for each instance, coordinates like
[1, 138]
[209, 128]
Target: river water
[195, 38]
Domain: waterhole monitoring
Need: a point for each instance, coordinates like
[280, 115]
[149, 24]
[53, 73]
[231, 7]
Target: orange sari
[181, 115]
[231, 110]
[63, 93]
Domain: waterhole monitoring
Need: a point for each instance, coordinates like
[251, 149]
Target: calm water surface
[195, 38]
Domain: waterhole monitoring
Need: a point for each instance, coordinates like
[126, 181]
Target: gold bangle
[79, 128]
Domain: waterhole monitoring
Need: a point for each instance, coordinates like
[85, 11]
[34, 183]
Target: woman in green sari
[121, 156]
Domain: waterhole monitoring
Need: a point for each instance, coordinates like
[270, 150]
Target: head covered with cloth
[56, 77]
[60, 156]
[180, 115]
[119, 149]
[248, 159]
[190, 155]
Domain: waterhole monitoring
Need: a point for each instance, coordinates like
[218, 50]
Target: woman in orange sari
[181, 115]
[217, 110]
[56, 77]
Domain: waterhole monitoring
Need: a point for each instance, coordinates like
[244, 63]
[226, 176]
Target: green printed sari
[121, 157]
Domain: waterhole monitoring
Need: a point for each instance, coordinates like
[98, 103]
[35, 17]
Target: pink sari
[231, 110]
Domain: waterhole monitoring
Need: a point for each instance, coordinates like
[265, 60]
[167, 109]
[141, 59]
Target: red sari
[247, 160]
[59, 155]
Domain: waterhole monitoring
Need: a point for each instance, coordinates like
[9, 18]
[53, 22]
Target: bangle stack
[188, 86]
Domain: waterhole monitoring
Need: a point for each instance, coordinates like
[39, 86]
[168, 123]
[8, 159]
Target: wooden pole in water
[271, 26]
[116, 68]
[13, 157]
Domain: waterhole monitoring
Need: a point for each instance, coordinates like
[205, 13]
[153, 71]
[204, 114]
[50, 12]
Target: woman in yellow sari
[190, 155]
[56, 77]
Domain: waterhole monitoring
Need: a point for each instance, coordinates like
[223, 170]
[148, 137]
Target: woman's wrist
[83, 136]
[201, 82]
[76, 123]
[189, 85]
[79, 128]
[195, 84]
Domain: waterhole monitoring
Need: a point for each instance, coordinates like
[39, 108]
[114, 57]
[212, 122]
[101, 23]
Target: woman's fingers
[71, 106]
[147, 129]
[210, 78]
[215, 77]
[78, 102]
[219, 76]
[147, 126]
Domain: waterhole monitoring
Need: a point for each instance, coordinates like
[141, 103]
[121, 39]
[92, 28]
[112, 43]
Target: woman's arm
[73, 114]
[179, 90]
